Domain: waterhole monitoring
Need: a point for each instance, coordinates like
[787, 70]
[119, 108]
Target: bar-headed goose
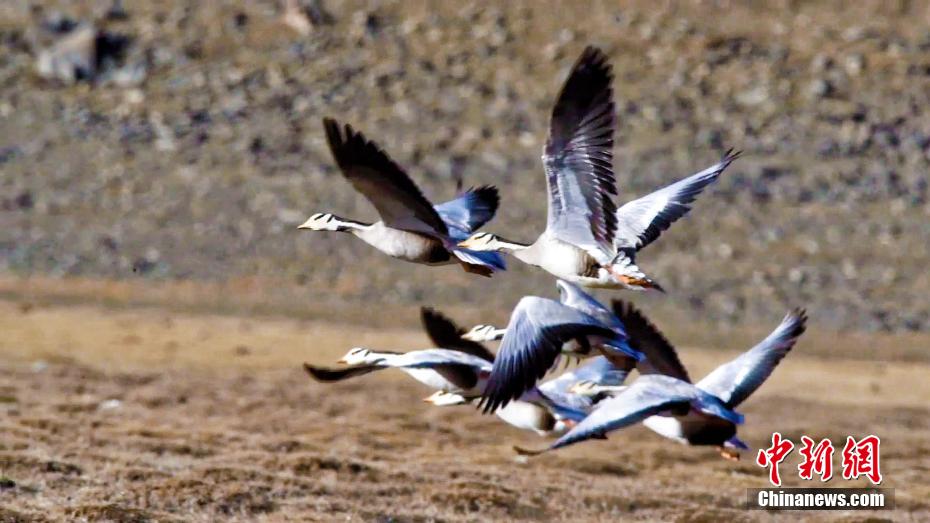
[440, 369]
[411, 228]
[457, 366]
[588, 240]
[539, 331]
[699, 414]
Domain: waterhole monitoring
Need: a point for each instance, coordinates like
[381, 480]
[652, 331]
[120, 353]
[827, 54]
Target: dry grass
[217, 421]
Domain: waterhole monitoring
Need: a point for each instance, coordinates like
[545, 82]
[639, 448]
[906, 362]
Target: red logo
[773, 456]
[860, 458]
[817, 459]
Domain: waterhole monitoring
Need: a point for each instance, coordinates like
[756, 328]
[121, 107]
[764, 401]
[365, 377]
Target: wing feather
[327, 375]
[371, 172]
[578, 157]
[661, 356]
[538, 327]
[641, 221]
[446, 334]
[469, 211]
[735, 381]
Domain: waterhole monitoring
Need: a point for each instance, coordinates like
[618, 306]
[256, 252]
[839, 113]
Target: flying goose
[411, 228]
[570, 295]
[539, 331]
[458, 365]
[440, 369]
[588, 240]
[573, 296]
[700, 414]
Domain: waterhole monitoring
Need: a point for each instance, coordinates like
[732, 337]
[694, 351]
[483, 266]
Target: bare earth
[216, 420]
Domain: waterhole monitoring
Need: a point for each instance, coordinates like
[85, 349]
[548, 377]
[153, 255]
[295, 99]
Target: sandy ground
[213, 419]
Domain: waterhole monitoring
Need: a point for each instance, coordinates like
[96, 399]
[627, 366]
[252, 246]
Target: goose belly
[432, 379]
[563, 260]
[527, 416]
[692, 429]
[667, 426]
[404, 245]
[569, 263]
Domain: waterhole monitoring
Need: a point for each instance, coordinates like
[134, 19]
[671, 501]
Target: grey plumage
[648, 396]
[537, 330]
[578, 157]
[733, 382]
[641, 221]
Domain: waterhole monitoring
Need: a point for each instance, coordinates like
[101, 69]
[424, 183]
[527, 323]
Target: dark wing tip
[489, 195]
[333, 134]
[595, 58]
[730, 156]
[799, 317]
[345, 142]
[320, 374]
[429, 314]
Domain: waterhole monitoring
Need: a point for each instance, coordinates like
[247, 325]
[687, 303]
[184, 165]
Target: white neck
[496, 334]
[385, 359]
[343, 225]
[501, 245]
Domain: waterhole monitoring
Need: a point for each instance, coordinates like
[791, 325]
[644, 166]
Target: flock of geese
[588, 242]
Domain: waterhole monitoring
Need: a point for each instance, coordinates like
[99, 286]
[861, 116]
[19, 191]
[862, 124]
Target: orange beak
[643, 283]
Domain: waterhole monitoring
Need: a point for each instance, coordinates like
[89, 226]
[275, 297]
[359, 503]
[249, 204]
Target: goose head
[584, 388]
[358, 356]
[480, 333]
[593, 389]
[441, 398]
[485, 241]
[321, 222]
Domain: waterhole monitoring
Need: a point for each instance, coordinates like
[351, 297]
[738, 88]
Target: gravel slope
[197, 153]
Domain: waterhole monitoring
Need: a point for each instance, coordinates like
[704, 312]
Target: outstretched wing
[371, 172]
[578, 157]
[733, 382]
[446, 334]
[661, 357]
[327, 375]
[644, 398]
[641, 221]
[538, 327]
[469, 211]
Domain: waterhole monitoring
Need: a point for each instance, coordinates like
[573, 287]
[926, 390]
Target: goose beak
[432, 398]
[641, 283]
[342, 361]
[466, 243]
[305, 225]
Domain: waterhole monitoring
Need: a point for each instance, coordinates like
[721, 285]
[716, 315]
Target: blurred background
[157, 143]
[156, 298]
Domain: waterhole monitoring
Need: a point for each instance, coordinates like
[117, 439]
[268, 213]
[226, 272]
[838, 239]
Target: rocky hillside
[178, 140]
